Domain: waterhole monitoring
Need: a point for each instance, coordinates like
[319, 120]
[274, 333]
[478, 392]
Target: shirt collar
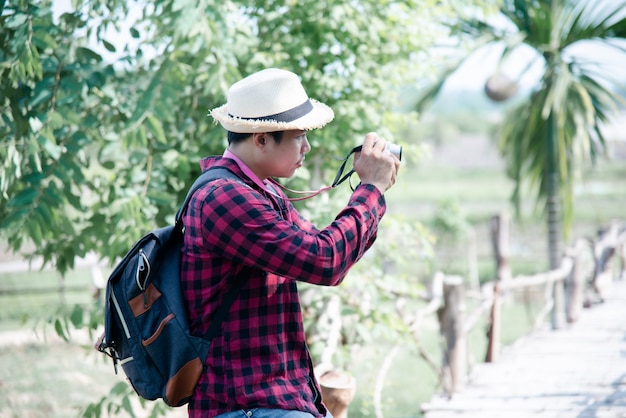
[246, 170]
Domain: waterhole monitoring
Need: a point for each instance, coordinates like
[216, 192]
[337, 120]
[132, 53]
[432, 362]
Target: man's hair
[234, 137]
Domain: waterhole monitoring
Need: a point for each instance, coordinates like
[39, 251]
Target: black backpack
[146, 328]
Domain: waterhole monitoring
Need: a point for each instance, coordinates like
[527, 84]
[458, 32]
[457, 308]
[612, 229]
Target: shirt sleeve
[300, 221]
[241, 224]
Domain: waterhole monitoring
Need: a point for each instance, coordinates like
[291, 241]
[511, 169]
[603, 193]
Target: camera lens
[394, 149]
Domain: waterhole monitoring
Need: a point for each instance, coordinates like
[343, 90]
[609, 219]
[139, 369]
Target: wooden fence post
[575, 283]
[622, 256]
[453, 329]
[493, 335]
[500, 238]
[605, 248]
[558, 307]
[499, 226]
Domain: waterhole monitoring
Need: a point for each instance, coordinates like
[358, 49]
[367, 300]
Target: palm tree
[547, 136]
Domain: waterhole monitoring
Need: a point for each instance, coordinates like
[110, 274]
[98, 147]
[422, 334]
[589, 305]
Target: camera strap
[339, 178]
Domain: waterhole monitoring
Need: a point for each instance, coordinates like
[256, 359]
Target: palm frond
[430, 93]
[594, 20]
[518, 12]
[534, 18]
[523, 134]
[602, 97]
[474, 27]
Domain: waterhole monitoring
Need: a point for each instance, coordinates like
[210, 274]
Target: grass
[49, 380]
[56, 379]
[28, 297]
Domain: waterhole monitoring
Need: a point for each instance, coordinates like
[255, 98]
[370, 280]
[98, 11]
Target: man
[258, 364]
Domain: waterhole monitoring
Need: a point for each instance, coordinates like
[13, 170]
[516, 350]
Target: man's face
[287, 156]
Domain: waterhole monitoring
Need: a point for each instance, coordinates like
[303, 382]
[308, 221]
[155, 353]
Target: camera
[394, 149]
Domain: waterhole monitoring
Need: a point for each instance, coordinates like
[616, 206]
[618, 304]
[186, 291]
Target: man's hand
[374, 164]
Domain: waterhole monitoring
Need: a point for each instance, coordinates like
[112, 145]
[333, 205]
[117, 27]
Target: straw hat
[270, 100]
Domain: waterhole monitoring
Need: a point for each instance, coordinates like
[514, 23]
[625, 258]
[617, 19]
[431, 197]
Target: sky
[474, 72]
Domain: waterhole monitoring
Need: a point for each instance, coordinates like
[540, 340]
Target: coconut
[500, 87]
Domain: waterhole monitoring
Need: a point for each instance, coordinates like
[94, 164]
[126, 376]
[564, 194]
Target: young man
[258, 364]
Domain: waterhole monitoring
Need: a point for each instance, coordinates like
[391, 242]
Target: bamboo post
[338, 389]
[453, 329]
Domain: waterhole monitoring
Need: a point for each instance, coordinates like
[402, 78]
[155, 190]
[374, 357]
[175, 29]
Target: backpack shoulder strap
[222, 312]
[204, 178]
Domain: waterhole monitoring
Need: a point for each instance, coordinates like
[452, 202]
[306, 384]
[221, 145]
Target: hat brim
[315, 119]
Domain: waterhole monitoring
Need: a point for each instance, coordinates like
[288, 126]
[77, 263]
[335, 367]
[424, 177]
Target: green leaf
[140, 137]
[109, 46]
[77, 316]
[120, 388]
[156, 128]
[159, 197]
[58, 327]
[44, 40]
[17, 21]
[15, 217]
[46, 140]
[25, 198]
[41, 95]
[127, 406]
[143, 105]
[46, 216]
[86, 54]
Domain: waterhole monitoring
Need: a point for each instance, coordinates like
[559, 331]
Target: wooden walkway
[578, 371]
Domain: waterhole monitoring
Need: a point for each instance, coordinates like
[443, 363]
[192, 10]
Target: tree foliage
[104, 103]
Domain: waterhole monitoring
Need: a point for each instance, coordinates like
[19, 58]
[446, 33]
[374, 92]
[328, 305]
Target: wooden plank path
[578, 371]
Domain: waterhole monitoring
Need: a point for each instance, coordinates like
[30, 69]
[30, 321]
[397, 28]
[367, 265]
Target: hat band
[286, 116]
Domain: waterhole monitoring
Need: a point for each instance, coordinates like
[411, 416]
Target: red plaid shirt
[260, 357]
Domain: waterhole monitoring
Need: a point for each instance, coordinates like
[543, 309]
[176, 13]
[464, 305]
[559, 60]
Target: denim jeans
[268, 413]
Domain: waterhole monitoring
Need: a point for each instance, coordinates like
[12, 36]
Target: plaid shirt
[260, 358]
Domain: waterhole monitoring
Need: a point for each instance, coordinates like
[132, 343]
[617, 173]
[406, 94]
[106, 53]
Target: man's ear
[258, 139]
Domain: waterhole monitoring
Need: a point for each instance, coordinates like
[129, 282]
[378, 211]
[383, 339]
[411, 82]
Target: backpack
[146, 328]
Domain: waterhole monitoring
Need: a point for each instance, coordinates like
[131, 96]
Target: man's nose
[306, 147]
